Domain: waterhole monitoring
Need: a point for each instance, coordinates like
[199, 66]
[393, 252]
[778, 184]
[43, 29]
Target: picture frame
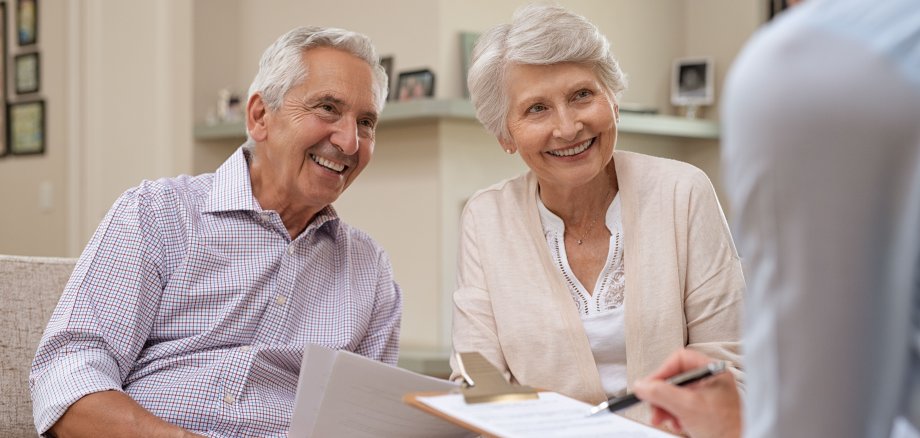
[467, 43]
[27, 73]
[774, 7]
[387, 63]
[27, 22]
[416, 84]
[4, 145]
[693, 82]
[26, 127]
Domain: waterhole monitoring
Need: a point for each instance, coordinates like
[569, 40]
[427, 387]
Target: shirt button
[265, 216]
[246, 348]
[291, 249]
[229, 399]
[280, 299]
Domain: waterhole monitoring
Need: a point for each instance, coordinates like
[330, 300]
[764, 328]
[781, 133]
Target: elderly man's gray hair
[281, 67]
[538, 35]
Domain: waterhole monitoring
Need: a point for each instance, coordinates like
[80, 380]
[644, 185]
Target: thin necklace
[593, 220]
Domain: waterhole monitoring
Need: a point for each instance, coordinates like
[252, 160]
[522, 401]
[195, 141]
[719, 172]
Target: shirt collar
[232, 191]
[232, 188]
[551, 222]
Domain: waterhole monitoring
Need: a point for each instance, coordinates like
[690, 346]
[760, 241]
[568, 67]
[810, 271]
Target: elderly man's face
[561, 121]
[322, 136]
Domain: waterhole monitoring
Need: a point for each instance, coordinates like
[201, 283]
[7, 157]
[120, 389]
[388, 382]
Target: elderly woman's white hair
[538, 35]
[281, 67]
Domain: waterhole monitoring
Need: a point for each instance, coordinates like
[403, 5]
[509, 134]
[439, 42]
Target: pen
[685, 378]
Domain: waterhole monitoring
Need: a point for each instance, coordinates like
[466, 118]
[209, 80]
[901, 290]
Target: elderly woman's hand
[709, 408]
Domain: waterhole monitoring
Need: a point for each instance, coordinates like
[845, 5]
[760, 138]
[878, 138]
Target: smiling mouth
[330, 165]
[573, 150]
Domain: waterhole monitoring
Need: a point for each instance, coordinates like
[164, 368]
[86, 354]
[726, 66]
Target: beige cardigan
[684, 284]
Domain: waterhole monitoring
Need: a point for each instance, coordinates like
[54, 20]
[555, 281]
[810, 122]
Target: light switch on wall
[45, 196]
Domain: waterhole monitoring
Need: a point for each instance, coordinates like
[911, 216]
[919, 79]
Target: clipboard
[482, 383]
[500, 409]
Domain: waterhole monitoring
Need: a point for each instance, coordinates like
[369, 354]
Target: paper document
[553, 415]
[342, 394]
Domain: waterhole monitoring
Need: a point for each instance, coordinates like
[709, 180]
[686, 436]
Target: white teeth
[573, 151]
[333, 166]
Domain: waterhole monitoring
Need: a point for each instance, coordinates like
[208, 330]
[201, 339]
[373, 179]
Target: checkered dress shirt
[195, 302]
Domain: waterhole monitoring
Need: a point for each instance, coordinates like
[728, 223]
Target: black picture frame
[26, 131]
[775, 7]
[387, 63]
[27, 73]
[416, 84]
[27, 22]
[4, 144]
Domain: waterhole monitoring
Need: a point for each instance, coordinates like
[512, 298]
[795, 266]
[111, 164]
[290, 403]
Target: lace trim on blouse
[611, 283]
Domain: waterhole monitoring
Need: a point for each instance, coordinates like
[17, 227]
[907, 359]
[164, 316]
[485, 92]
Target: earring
[509, 151]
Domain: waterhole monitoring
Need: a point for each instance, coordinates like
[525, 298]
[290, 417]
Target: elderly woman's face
[561, 121]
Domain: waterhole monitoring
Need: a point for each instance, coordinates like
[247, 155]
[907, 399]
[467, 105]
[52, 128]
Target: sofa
[29, 290]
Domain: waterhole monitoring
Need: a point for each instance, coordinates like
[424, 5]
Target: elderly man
[189, 310]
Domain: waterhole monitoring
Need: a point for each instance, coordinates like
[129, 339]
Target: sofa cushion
[30, 288]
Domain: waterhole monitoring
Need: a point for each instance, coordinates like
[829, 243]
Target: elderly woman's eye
[537, 108]
[581, 94]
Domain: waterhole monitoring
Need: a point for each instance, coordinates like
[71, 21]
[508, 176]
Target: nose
[568, 126]
[345, 135]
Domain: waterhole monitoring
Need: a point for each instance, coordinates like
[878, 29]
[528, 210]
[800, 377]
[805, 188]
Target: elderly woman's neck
[576, 204]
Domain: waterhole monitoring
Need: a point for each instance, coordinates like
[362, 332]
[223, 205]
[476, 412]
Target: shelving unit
[403, 112]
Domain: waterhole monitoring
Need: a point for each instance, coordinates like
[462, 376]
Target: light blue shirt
[822, 167]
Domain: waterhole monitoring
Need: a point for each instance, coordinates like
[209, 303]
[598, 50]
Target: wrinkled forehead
[341, 76]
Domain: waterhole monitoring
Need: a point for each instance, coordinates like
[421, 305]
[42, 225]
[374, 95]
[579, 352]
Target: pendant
[579, 241]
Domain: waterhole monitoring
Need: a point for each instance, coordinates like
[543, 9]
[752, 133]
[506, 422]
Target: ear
[255, 118]
[507, 145]
[616, 112]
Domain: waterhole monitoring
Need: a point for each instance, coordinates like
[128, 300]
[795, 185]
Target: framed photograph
[467, 42]
[387, 63]
[418, 84]
[26, 123]
[693, 82]
[4, 146]
[774, 7]
[27, 22]
[27, 73]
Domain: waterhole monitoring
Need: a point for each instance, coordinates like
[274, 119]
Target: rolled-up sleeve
[104, 315]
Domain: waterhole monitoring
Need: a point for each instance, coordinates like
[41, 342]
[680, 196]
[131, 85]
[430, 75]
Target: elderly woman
[583, 274]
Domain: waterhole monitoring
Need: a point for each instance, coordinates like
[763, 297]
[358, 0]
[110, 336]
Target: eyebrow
[330, 98]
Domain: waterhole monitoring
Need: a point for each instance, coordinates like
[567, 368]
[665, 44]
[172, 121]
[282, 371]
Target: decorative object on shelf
[229, 109]
[467, 42]
[26, 124]
[27, 22]
[693, 84]
[4, 146]
[387, 63]
[417, 84]
[27, 76]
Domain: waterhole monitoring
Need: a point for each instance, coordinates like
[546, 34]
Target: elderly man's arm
[113, 414]
[382, 339]
[98, 329]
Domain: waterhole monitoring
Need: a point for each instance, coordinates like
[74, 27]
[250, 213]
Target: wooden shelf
[428, 109]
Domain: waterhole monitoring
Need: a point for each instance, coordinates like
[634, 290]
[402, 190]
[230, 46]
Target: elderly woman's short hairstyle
[537, 35]
[281, 67]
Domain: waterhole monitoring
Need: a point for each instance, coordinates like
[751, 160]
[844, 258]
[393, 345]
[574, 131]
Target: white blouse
[602, 312]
